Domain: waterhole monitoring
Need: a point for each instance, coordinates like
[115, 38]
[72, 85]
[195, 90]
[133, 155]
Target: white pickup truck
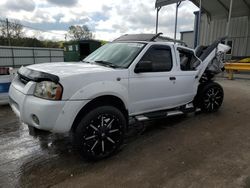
[137, 77]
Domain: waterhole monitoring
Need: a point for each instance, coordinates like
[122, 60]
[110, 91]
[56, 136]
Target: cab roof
[137, 37]
[147, 38]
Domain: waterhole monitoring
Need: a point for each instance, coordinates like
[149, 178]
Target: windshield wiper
[85, 61]
[106, 63]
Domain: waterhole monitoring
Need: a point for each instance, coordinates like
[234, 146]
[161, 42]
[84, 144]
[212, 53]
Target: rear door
[186, 75]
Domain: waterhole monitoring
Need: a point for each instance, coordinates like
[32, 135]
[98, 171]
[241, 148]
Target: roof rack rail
[156, 36]
[168, 39]
[138, 37]
[147, 37]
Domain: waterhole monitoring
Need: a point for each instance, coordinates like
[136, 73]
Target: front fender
[101, 88]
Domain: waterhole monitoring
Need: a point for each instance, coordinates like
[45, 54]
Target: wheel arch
[203, 86]
[111, 100]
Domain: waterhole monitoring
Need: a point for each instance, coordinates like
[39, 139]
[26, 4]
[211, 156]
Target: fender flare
[102, 88]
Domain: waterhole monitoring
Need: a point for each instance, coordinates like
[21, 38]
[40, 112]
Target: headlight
[48, 90]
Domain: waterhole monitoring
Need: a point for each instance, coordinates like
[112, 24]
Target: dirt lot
[204, 150]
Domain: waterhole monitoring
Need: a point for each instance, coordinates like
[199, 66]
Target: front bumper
[53, 116]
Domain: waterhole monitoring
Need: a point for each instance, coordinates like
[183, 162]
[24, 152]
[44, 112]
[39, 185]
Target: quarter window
[187, 60]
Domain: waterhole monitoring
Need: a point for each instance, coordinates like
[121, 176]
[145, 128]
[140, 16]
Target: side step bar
[157, 115]
[174, 113]
[141, 118]
[188, 108]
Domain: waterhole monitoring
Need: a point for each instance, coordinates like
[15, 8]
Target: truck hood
[63, 69]
[73, 76]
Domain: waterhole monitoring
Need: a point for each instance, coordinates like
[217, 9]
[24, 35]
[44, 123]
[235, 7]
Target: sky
[106, 19]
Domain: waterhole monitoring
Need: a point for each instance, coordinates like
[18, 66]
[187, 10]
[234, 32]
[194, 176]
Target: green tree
[77, 32]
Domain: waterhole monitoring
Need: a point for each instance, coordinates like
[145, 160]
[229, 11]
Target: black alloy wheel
[100, 133]
[211, 97]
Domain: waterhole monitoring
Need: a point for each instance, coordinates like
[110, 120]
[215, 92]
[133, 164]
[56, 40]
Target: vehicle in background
[5, 81]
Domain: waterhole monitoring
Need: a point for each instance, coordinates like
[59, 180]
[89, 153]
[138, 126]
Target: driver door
[153, 89]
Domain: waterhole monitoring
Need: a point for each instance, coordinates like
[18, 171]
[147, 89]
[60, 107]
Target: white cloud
[55, 35]
[17, 5]
[108, 19]
[65, 3]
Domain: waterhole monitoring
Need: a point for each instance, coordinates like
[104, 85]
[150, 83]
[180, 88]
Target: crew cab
[139, 76]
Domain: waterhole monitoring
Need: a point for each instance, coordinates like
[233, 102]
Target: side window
[187, 60]
[161, 58]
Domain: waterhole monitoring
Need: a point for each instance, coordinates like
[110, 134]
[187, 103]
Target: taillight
[4, 71]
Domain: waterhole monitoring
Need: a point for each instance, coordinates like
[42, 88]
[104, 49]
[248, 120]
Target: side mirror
[143, 66]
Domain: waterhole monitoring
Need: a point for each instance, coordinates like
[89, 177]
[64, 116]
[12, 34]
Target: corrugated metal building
[216, 16]
[188, 38]
[239, 33]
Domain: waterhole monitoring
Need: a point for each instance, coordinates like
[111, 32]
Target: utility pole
[157, 19]
[8, 33]
[229, 20]
[199, 26]
[176, 19]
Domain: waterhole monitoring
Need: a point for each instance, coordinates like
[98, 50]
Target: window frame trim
[166, 47]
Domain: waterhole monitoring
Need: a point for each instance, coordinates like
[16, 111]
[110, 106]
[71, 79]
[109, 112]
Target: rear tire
[100, 132]
[210, 97]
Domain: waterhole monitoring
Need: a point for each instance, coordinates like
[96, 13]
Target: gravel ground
[202, 150]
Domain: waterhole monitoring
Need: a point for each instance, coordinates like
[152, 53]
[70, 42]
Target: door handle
[172, 78]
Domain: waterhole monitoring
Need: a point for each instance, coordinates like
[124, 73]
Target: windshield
[115, 55]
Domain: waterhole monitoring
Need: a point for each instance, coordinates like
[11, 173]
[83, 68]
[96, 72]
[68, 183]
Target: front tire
[210, 97]
[100, 132]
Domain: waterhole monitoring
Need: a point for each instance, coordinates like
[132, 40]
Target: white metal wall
[239, 33]
[18, 56]
[188, 38]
